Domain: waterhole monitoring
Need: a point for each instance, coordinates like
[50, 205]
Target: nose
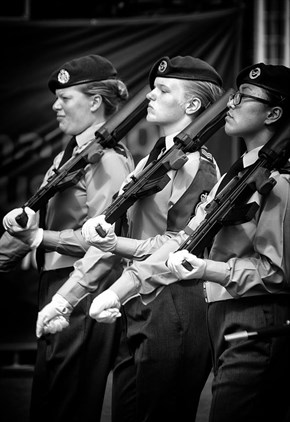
[151, 95]
[56, 105]
[230, 102]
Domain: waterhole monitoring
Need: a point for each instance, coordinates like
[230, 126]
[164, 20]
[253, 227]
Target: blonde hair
[207, 92]
[113, 92]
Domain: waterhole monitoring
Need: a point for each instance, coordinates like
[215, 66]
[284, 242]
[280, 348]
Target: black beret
[80, 71]
[275, 78]
[187, 67]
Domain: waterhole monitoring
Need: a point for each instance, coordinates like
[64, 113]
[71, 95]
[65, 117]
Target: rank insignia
[162, 66]
[63, 77]
[255, 73]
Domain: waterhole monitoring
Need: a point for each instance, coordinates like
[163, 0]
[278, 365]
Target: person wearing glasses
[246, 278]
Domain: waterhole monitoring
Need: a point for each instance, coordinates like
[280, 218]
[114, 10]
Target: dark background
[133, 35]
[38, 36]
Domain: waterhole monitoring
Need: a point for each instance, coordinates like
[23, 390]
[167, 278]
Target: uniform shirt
[147, 217]
[256, 251]
[69, 209]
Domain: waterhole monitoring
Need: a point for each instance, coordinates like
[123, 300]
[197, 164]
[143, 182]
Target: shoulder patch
[205, 154]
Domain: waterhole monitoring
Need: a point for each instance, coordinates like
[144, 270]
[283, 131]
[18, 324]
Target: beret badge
[255, 73]
[63, 76]
[162, 66]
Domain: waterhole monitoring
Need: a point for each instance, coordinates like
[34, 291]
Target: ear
[192, 106]
[274, 115]
[96, 102]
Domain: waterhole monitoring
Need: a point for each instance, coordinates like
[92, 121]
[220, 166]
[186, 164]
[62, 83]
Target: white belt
[54, 260]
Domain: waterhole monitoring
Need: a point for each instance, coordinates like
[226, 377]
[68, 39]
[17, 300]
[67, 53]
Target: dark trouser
[160, 376]
[72, 366]
[251, 377]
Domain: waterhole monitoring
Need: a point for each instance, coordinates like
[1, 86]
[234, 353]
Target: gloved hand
[105, 307]
[91, 236]
[54, 317]
[32, 235]
[175, 264]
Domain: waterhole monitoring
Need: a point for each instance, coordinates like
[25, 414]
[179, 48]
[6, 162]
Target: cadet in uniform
[164, 357]
[71, 368]
[246, 278]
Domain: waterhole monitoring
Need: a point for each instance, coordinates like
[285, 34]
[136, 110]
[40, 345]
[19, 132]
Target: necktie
[233, 171]
[160, 144]
[68, 150]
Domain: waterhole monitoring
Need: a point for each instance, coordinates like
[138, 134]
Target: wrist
[125, 247]
[62, 303]
[116, 297]
[125, 287]
[216, 271]
[37, 239]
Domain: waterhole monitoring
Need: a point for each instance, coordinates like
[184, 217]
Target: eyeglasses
[238, 96]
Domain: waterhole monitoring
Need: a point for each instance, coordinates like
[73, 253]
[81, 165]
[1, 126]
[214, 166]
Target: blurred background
[37, 37]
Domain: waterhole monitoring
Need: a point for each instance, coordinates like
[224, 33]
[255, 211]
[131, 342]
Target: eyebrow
[161, 85]
[248, 89]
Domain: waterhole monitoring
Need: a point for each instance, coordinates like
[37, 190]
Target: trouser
[164, 361]
[250, 376]
[72, 366]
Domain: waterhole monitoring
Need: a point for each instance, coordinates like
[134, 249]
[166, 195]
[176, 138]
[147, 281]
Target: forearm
[66, 242]
[127, 286]
[12, 251]
[91, 272]
[153, 272]
[140, 249]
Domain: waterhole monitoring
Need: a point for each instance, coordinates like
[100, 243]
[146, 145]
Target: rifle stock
[154, 177]
[105, 137]
[273, 155]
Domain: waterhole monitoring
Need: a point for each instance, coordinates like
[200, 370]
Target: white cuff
[37, 239]
[61, 302]
[216, 271]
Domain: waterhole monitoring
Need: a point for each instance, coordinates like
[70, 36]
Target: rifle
[153, 178]
[275, 331]
[107, 136]
[231, 202]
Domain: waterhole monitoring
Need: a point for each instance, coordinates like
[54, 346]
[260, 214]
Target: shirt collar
[88, 134]
[169, 140]
[250, 157]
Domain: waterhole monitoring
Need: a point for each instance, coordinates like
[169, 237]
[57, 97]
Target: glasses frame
[238, 96]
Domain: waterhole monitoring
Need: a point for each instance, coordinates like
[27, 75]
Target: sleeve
[94, 269]
[146, 276]
[268, 269]
[102, 182]
[95, 266]
[12, 251]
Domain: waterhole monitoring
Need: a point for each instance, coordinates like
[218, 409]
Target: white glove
[91, 236]
[54, 317]
[175, 264]
[105, 307]
[32, 235]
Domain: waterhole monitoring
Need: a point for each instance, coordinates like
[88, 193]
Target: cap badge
[255, 73]
[162, 66]
[63, 76]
